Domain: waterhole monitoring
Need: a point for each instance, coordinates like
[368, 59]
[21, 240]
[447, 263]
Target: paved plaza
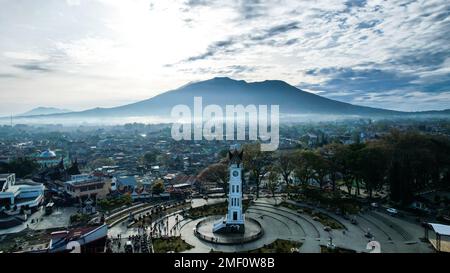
[395, 235]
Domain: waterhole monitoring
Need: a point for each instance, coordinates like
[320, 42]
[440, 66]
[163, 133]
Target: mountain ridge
[42, 110]
[226, 91]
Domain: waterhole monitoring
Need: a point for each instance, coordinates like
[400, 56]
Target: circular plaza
[204, 231]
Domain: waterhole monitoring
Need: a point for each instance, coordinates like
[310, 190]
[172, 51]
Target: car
[374, 205]
[327, 228]
[354, 222]
[392, 211]
[129, 247]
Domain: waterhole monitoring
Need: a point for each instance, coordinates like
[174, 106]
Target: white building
[14, 196]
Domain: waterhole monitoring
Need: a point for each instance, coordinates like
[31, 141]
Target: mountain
[225, 91]
[44, 111]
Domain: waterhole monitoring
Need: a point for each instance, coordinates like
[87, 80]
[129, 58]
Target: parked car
[327, 228]
[392, 211]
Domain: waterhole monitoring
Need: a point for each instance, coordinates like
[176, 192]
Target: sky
[80, 54]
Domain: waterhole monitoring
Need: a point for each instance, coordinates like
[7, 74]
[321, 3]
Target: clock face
[235, 173]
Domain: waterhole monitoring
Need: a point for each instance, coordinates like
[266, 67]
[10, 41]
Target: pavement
[60, 218]
[394, 234]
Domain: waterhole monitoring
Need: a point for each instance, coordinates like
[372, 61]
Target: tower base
[224, 226]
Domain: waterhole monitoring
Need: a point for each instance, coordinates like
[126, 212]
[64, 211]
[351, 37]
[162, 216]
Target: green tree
[285, 165]
[158, 187]
[272, 180]
[373, 164]
[100, 162]
[304, 168]
[217, 173]
[22, 167]
[257, 162]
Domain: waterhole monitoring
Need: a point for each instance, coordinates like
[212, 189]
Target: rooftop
[5, 175]
[47, 154]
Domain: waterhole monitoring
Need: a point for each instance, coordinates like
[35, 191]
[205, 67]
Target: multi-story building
[14, 196]
[85, 186]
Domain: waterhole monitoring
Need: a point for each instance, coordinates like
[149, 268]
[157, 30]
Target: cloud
[375, 86]
[246, 9]
[360, 80]
[213, 49]
[232, 70]
[73, 2]
[368, 24]
[8, 75]
[355, 3]
[274, 31]
[33, 66]
[247, 40]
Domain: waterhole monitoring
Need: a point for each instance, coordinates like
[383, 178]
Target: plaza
[395, 235]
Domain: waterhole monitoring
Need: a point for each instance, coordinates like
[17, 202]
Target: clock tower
[234, 220]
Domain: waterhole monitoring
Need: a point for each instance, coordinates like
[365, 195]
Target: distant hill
[44, 111]
[225, 91]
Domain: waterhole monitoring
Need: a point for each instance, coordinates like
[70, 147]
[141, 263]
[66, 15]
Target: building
[439, 237]
[49, 158]
[86, 186]
[24, 194]
[125, 183]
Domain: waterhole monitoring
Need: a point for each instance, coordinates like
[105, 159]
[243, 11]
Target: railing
[229, 240]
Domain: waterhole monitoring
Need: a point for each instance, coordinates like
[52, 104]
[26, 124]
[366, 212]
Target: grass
[215, 209]
[79, 219]
[343, 202]
[318, 216]
[279, 246]
[22, 240]
[324, 249]
[176, 244]
[110, 204]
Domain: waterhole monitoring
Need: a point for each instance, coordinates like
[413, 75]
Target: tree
[217, 173]
[257, 162]
[272, 181]
[303, 168]
[100, 162]
[158, 187]
[22, 167]
[373, 164]
[321, 168]
[344, 160]
[419, 162]
[354, 165]
[74, 169]
[312, 165]
[330, 154]
[285, 165]
[150, 158]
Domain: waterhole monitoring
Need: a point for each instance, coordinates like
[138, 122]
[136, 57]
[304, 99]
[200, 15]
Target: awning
[440, 229]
